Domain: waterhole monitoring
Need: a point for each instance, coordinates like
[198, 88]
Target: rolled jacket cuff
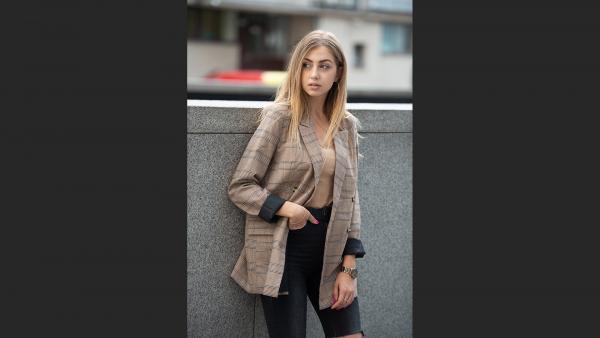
[354, 247]
[272, 204]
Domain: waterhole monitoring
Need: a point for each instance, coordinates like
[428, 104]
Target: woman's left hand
[344, 291]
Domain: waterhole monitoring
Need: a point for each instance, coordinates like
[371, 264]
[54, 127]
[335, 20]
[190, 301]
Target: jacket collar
[307, 122]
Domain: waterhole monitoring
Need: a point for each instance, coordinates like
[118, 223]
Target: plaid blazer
[271, 171]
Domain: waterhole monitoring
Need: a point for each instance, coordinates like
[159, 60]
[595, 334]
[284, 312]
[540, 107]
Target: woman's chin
[313, 93]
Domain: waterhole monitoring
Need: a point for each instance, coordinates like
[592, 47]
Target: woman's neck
[316, 109]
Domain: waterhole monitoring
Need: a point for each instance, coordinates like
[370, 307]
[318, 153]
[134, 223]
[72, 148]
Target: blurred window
[204, 24]
[402, 6]
[359, 57]
[341, 4]
[264, 40]
[396, 38]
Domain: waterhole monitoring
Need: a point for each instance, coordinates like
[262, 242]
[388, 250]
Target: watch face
[352, 272]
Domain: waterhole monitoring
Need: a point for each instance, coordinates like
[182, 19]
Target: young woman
[297, 184]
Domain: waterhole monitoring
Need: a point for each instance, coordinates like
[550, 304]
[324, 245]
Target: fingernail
[317, 221]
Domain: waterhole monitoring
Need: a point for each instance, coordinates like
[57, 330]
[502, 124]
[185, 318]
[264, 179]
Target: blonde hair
[290, 91]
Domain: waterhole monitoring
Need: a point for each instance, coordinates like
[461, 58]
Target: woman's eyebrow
[324, 60]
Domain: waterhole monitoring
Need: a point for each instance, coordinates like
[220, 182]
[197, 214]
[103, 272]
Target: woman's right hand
[297, 214]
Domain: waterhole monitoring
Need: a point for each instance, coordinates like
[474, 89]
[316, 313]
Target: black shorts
[286, 314]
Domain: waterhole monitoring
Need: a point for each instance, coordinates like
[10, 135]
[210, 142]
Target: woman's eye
[306, 65]
[324, 66]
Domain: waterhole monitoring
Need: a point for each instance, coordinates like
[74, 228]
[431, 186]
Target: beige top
[324, 193]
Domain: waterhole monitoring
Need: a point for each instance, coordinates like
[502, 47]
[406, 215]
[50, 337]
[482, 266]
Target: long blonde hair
[290, 91]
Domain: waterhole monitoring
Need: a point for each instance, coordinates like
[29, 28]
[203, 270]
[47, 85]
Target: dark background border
[505, 169]
[94, 169]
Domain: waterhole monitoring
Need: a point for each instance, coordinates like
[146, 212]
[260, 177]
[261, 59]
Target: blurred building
[259, 35]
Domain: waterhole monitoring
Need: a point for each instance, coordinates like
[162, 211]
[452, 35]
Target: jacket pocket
[258, 253]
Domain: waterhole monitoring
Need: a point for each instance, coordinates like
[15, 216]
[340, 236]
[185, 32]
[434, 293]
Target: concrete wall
[218, 132]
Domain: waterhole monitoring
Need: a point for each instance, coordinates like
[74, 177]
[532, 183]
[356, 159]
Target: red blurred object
[237, 75]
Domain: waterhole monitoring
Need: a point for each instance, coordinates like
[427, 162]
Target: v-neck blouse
[324, 192]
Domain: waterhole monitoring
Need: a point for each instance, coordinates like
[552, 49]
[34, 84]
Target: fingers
[342, 302]
[299, 220]
[339, 304]
[297, 223]
[296, 226]
[343, 295]
[337, 297]
[312, 219]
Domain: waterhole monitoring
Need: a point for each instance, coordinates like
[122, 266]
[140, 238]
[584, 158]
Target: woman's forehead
[320, 53]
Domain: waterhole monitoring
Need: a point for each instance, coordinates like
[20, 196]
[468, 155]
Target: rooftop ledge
[260, 104]
[217, 116]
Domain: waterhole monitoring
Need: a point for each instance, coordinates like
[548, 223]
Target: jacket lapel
[341, 163]
[311, 141]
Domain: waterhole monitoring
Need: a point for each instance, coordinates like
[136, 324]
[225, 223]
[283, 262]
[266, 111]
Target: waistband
[322, 214]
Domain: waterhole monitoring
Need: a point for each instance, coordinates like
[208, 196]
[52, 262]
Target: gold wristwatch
[353, 272]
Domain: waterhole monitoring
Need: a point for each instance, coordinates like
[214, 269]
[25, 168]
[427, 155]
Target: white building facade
[259, 35]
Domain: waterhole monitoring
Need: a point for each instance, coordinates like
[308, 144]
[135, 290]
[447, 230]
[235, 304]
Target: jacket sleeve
[244, 189]
[354, 245]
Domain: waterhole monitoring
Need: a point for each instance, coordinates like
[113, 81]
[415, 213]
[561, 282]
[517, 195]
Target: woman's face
[319, 71]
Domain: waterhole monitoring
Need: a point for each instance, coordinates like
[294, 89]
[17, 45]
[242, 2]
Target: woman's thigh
[286, 314]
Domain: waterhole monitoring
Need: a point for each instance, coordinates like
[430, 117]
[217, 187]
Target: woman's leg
[286, 314]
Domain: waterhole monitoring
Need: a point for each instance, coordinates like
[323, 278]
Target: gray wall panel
[215, 238]
[385, 185]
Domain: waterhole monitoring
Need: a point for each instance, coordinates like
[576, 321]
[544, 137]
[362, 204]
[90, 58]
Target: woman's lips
[314, 86]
